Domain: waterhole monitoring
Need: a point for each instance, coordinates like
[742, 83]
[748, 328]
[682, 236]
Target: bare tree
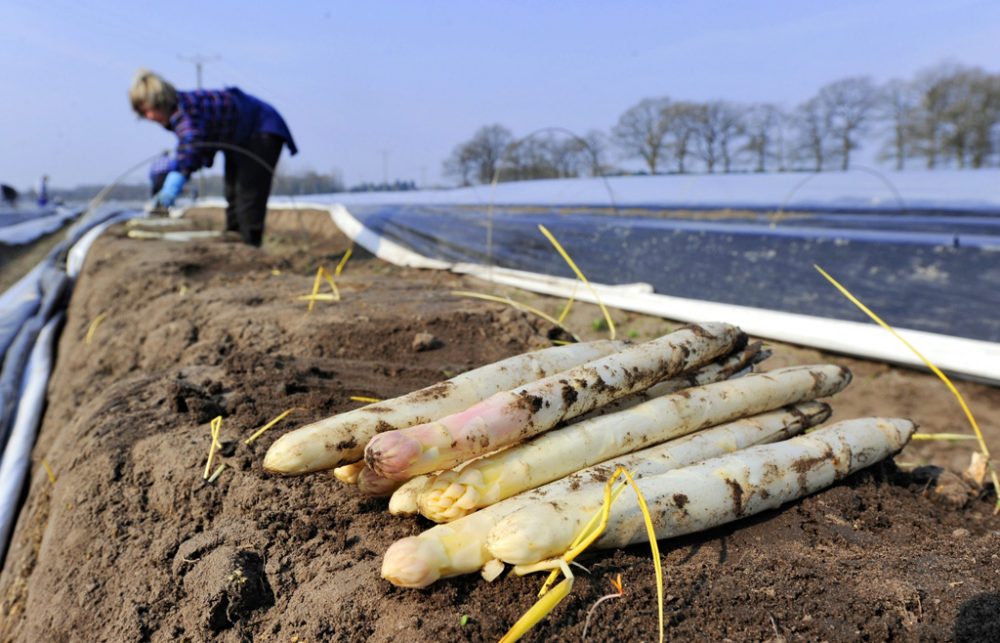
[762, 128]
[534, 157]
[594, 153]
[719, 123]
[641, 131]
[970, 116]
[812, 125]
[849, 105]
[682, 127]
[479, 157]
[936, 88]
[897, 107]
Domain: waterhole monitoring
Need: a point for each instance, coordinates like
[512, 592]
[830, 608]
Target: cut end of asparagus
[413, 562]
[404, 499]
[348, 474]
[390, 454]
[448, 498]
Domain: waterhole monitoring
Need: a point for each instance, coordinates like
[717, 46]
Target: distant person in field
[9, 195]
[43, 191]
[249, 132]
[158, 171]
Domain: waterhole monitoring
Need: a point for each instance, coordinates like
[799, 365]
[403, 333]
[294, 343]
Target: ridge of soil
[129, 543]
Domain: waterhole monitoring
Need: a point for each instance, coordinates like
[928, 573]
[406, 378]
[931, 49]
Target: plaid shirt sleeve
[203, 117]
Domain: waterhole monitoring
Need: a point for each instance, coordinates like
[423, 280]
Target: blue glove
[172, 186]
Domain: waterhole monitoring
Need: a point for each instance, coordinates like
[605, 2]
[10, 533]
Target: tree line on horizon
[946, 116]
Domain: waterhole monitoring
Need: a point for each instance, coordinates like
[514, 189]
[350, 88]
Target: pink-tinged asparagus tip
[372, 484]
[390, 454]
[409, 563]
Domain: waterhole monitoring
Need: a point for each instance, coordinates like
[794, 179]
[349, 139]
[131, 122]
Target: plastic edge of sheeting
[78, 253]
[502, 275]
[969, 358]
[366, 238]
[17, 452]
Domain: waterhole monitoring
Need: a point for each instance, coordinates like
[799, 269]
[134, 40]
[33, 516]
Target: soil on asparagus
[128, 542]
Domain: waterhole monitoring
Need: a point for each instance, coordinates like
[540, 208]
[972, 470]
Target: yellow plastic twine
[259, 432]
[214, 428]
[518, 305]
[343, 262]
[48, 471]
[579, 274]
[944, 378]
[591, 532]
[361, 398]
[92, 328]
[315, 296]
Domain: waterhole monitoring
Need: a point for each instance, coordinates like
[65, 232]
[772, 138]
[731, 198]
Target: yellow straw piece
[48, 470]
[343, 262]
[541, 608]
[218, 472]
[568, 306]
[579, 274]
[944, 378]
[92, 329]
[259, 432]
[515, 304]
[942, 436]
[214, 428]
[321, 274]
[591, 532]
[361, 398]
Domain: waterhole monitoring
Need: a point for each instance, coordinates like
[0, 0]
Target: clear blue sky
[372, 85]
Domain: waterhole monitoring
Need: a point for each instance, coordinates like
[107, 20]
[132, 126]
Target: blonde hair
[150, 90]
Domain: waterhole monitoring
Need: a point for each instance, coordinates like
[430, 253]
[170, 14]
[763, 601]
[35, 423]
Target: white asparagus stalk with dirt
[404, 500]
[703, 495]
[735, 364]
[459, 547]
[515, 415]
[341, 439]
[558, 453]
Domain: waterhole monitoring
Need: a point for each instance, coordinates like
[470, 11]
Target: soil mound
[129, 543]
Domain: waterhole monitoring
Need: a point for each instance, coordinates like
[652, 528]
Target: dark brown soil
[129, 543]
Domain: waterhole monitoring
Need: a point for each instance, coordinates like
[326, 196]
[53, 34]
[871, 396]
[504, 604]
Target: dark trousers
[248, 185]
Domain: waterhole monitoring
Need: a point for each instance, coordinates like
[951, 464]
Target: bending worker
[248, 130]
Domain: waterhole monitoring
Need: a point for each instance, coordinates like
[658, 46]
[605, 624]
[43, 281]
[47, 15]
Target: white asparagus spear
[404, 500]
[341, 439]
[512, 416]
[459, 547]
[704, 495]
[558, 453]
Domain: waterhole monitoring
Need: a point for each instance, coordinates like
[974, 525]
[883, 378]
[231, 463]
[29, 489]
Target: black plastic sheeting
[936, 273]
[20, 215]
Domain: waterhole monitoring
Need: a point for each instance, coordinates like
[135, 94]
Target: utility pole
[199, 62]
[385, 167]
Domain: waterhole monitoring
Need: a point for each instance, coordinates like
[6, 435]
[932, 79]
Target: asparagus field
[123, 538]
